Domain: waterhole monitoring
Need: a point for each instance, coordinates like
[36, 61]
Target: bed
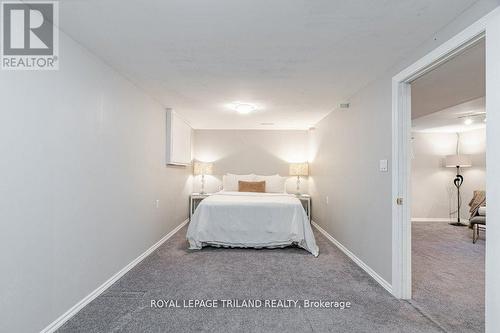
[248, 219]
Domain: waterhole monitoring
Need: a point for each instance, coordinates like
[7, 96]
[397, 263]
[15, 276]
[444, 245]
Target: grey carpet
[173, 272]
[448, 276]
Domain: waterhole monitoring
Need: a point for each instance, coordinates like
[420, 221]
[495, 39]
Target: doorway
[448, 171]
[401, 135]
[401, 151]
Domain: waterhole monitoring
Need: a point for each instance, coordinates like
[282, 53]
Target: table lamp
[202, 168]
[299, 169]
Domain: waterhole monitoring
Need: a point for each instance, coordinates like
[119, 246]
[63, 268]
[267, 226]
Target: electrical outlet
[157, 203]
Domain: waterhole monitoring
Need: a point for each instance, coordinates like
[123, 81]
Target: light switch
[384, 166]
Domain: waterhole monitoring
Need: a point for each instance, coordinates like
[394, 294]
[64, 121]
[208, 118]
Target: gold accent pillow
[244, 186]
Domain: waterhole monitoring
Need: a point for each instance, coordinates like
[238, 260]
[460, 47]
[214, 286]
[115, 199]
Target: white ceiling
[459, 80]
[452, 120]
[296, 58]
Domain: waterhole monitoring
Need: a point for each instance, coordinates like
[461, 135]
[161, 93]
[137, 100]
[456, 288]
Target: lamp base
[458, 224]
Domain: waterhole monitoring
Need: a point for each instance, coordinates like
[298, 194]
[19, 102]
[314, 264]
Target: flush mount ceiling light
[470, 118]
[242, 107]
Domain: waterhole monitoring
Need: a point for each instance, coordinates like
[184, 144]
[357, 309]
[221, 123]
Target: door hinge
[399, 201]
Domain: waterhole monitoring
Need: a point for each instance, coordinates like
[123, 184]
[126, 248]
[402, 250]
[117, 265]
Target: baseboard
[437, 219]
[387, 286]
[90, 297]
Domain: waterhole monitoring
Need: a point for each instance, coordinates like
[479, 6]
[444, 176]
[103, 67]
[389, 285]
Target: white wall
[493, 173]
[346, 149]
[264, 152]
[433, 194]
[82, 165]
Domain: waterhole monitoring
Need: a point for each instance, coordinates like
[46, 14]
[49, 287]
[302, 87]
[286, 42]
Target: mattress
[245, 219]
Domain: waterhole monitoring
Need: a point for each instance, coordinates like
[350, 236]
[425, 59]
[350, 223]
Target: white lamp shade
[202, 168]
[453, 161]
[299, 169]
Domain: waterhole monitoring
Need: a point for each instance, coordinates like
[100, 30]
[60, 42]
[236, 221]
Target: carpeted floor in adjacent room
[448, 276]
[173, 272]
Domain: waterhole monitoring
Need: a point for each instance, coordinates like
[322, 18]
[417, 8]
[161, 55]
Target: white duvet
[244, 219]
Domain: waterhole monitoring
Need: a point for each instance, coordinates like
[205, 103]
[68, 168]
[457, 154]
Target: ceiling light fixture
[243, 108]
[468, 121]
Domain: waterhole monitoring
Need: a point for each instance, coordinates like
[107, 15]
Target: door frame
[401, 140]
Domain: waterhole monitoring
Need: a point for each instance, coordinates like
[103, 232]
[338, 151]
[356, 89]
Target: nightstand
[194, 201]
[305, 199]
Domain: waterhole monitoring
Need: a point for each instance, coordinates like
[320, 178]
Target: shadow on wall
[250, 160]
[433, 192]
[264, 152]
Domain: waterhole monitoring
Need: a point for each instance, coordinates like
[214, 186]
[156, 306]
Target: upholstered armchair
[477, 210]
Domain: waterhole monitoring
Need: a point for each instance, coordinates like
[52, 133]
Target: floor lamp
[458, 161]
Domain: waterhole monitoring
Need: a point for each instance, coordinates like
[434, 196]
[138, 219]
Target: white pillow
[230, 181]
[274, 184]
